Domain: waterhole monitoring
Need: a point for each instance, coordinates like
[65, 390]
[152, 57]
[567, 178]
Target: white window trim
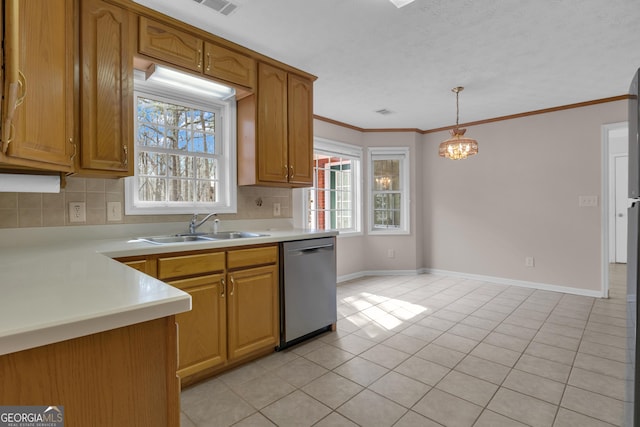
[330, 147]
[228, 201]
[402, 154]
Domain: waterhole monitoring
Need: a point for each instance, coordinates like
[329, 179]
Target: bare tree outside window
[177, 153]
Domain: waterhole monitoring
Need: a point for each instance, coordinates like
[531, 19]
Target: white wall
[519, 197]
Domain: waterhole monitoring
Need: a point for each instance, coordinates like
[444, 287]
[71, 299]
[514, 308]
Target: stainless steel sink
[233, 235]
[199, 237]
[176, 238]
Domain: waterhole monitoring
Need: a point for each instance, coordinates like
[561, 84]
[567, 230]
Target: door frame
[613, 157]
[606, 156]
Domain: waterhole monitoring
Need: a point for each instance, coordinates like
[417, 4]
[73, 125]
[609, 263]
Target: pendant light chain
[458, 147]
[457, 107]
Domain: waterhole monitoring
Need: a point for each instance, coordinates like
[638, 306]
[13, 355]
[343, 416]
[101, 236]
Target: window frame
[332, 148]
[390, 153]
[227, 165]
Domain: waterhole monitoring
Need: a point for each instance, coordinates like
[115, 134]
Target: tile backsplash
[52, 210]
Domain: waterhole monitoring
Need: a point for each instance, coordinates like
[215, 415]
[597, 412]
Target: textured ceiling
[512, 56]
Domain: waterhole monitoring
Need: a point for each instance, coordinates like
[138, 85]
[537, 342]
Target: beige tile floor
[432, 350]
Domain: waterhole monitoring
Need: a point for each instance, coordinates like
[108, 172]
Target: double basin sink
[199, 237]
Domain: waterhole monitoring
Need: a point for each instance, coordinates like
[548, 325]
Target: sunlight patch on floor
[389, 313]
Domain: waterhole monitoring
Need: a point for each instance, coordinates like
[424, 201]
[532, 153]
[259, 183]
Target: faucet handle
[192, 223]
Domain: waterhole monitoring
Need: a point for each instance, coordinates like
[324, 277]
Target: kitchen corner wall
[51, 210]
[518, 198]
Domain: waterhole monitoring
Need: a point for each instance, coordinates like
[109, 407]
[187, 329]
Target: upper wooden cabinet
[37, 115]
[106, 104]
[300, 130]
[169, 44]
[225, 64]
[185, 50]
[275, 131]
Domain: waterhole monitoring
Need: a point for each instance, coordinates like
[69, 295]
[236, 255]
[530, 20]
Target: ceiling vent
[221, 6]
[384, 112]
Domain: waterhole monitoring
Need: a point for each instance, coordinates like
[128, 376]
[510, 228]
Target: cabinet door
[253, 310]
[228, 65]
[272, 124]
[43, 125]
[300, 109]
[106, 89]
[202, 331]
[169, 44]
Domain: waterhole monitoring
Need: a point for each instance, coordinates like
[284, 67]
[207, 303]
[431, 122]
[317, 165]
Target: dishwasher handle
[310, 249]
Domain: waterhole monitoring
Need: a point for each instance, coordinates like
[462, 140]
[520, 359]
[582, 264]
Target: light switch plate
[114, 211]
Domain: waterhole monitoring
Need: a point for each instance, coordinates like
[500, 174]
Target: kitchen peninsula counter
[61, 283]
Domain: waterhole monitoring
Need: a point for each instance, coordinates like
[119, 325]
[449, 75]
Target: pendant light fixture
[458, 147]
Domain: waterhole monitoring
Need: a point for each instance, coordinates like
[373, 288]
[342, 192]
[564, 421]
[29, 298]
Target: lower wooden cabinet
[234, 313]
[252, 310]
[121, 377]
[202, 331]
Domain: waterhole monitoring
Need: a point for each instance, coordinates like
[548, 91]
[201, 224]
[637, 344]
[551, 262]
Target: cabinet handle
[75, 149]
[233, 285]
[125, 152]
[291, 174]
[208, 61]
[199, 58]
[223, 285]
[13, 102]
[22, 82]
[286, 169]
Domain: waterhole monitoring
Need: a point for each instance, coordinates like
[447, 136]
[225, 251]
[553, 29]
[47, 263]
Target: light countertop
[61, 283]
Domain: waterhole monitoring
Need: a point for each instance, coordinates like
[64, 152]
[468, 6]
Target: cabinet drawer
[228, 65]
[195, 282]
[250, 257]
[166, 43]
[188, 265]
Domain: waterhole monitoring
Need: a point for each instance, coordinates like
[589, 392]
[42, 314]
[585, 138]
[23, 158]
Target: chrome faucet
[194, 224]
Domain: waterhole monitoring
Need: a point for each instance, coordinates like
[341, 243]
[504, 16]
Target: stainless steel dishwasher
[307, 289]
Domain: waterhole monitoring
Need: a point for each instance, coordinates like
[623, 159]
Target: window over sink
[185, 149]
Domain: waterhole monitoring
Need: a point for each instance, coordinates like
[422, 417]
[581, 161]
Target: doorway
[614, 203]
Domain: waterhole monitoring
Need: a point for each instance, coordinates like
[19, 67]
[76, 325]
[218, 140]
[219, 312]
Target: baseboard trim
[368, 273]
[490, 279]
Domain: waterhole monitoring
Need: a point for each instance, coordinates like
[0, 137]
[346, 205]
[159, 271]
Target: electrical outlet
[77, 212]
[114, 211]
[391, 253]
[587, 201]
[276, 209]
[529, 261]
